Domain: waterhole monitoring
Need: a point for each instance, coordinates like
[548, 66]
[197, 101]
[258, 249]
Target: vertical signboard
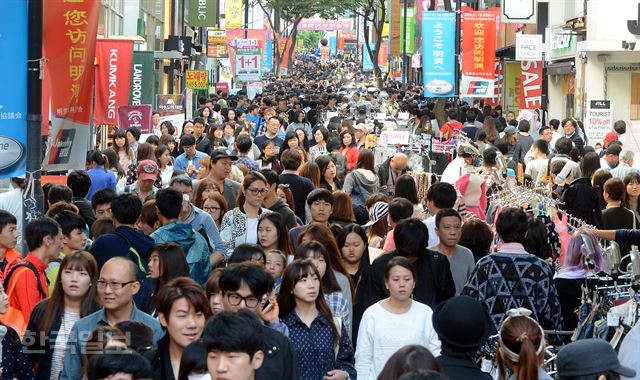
[13, 101]
[203, 13]
[409, 35]
[438, 53]
[367, 64]
[233, 13]
[599, 120]
[142, 78]
[69, 41]
[478, 52]
[217, 44]
[113, 78]
[531, 85]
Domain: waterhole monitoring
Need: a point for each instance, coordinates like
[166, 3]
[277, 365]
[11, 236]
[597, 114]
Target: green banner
[142, 78]
[203, 13]
[411, 28]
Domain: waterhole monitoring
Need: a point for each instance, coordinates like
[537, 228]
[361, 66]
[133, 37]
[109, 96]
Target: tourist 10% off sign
[248, 65]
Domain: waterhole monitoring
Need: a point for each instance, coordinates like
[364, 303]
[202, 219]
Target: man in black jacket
[300, 186]
[462, 325]
[243, 286]
[434, 281]
[273, 202]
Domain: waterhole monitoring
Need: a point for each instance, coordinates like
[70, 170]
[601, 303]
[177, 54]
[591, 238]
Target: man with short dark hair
[274, 124]
[611, 157]
[117, 285]
[300, 186]
[244, 145]
[244, 286]
[59, 193]
[273, 202]
[173, 230]
[189, 161]
[221, 165]
[8, 241]
[101, 203]
[440, 195]
[399, 210]
[320, 202]
[202, 142]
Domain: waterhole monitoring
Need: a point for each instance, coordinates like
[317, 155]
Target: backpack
[134, 253]
[14, 317]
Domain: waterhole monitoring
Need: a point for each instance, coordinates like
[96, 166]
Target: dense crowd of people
[262, 239]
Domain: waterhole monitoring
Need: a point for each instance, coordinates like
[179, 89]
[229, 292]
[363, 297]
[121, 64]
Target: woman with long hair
[165, 164]
[321, 341]
[310, 170]
[114, 164]
[166, 262]
[273, 234]
[632, 182]
[207, 114]
[216, 206]
[342, 213]
[378, 224]
[300, 122]
[362, 182]
[349, 149]
[170, 142]
[269, 159]
[338, 302]
[521, 347]
[240, 225]
[379, 336]
[406, 188]
[352, 241]
[580, 199]
[328, 173]
[166, 127]
[291, 141]
[126, 155]
[320, 149]
[229, 115]
[303, 139]
[205, 187]
[73, 297]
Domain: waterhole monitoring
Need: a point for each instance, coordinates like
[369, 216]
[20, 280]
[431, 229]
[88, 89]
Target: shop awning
[560, 68]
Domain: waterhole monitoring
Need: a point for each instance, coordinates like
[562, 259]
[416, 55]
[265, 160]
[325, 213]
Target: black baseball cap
[222, 153]
[590, 357]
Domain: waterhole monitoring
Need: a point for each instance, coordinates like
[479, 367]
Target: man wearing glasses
[246, 286]
[115, 288]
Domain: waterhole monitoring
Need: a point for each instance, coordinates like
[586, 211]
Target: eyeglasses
[113, 285]
[258, 191]
[249, 301]
[210, 208]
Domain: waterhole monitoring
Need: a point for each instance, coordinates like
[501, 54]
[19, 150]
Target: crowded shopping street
[304, 190]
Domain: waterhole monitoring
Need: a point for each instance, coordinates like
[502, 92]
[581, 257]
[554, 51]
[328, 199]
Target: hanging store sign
[197, 79]
[528, 47]
[519, 11]
[438, 53]
[217, 44]
[321, 24]
[531, 85]
[142, 78]
[478, 43]
[113, 79]
[135, 116]
[203, 13]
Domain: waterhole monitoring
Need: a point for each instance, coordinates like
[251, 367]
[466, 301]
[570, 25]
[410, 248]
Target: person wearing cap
[360, 132]
[144, 188]
[591, 359]
[511, 138]
[189, 161]
[611, 157]
[221, 166]
[462, 325]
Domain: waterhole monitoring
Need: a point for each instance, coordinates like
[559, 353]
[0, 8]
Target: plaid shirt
[338, 305]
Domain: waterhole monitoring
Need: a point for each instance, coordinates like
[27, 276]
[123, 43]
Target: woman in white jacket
[394, 322]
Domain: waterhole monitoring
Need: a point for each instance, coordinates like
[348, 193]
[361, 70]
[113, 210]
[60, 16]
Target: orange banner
[69, 42]
[478, 42]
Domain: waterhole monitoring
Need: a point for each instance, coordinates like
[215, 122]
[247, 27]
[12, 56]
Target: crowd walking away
[289, 235]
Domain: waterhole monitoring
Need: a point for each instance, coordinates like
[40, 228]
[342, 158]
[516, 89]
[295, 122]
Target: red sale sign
[531, 85]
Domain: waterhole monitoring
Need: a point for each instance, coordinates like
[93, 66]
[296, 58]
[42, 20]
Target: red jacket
[351, 155]
[25, 294]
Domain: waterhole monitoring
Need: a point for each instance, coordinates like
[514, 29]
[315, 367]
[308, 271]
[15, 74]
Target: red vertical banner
[113, 79]
[498, 87]
[69, 41]
[531, 85]
[478, 43]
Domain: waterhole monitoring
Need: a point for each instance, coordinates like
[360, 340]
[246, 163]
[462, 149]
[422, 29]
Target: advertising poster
[135, 116]
[113, 79]
[142, 78]
[410, 31]
[217, 44]
[69, 146]
[267, 57]
[197, 79]
[367, 65]
[171, 108]
[512, 87]
[438, 53]
[233, 13]
[248, 65]
[13, 103]
[69, 43]
[599, 121]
